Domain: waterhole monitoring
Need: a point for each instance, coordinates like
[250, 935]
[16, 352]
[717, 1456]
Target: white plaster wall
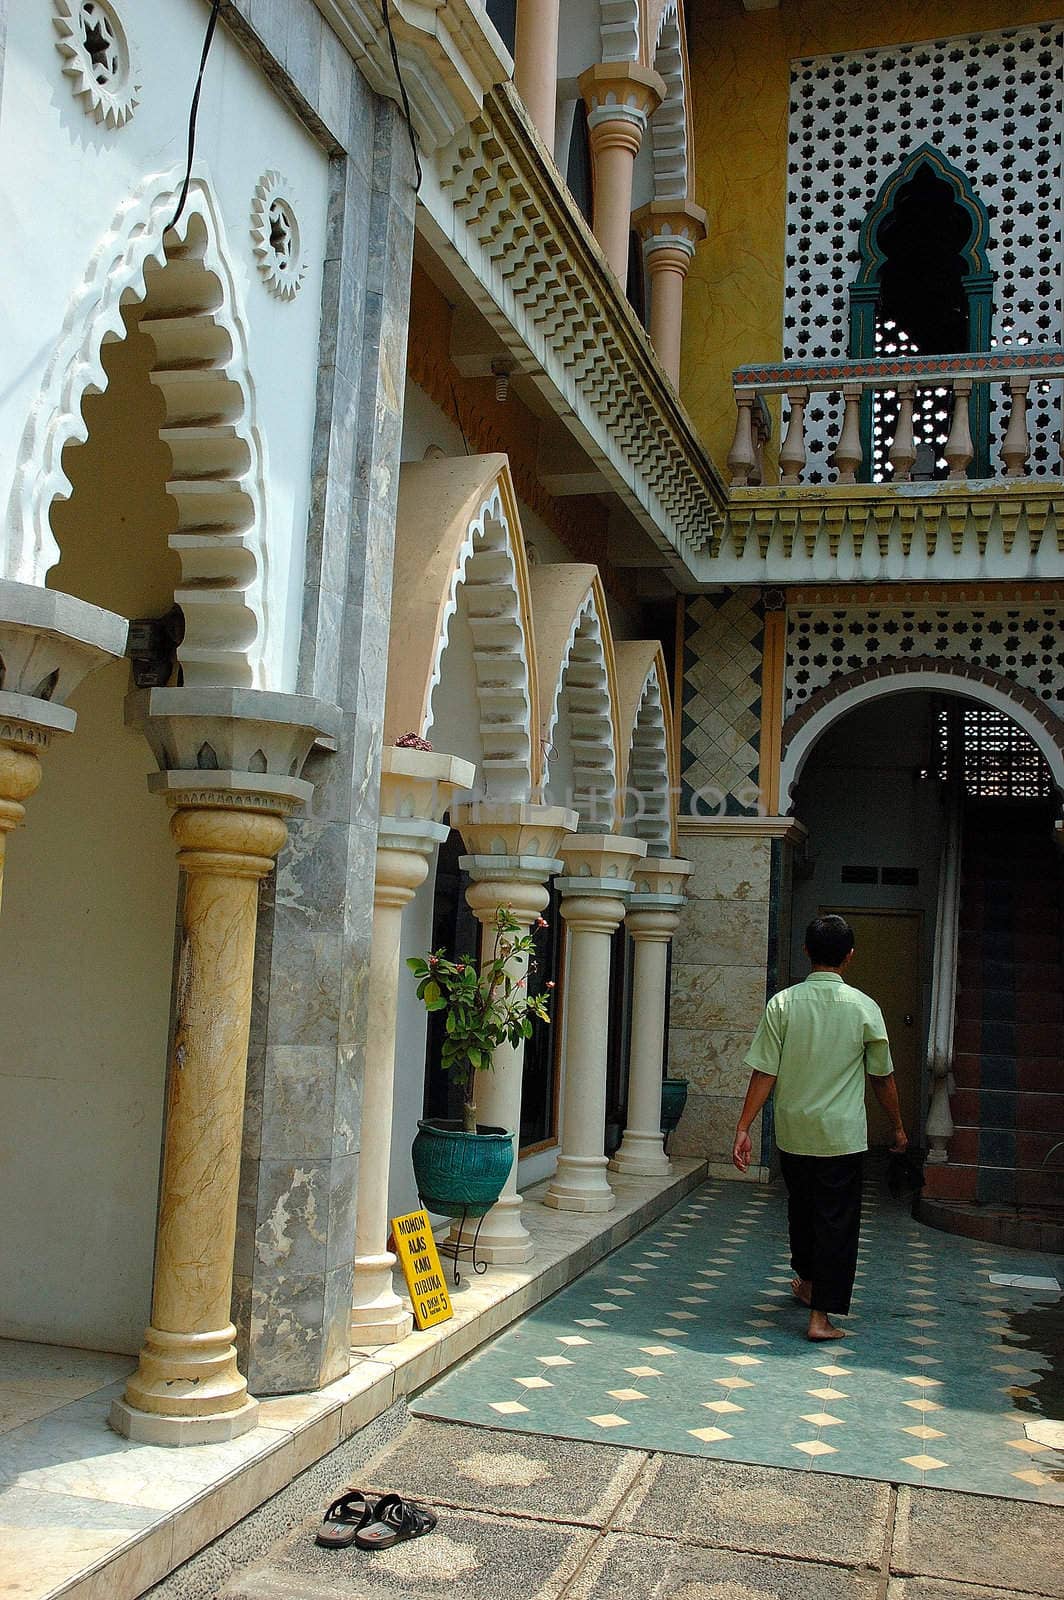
[87, 932]
[64, 182]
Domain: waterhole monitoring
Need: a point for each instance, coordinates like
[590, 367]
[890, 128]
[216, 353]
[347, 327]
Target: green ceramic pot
[673, 1100]
[457, 1171]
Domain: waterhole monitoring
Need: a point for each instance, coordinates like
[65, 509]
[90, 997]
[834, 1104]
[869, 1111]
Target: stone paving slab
[484, 1471]
[469, 1557]
[978, 1540]
[627, 1566]
[765, 1509]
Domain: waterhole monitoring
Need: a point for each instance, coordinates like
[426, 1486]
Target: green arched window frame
[978, 282]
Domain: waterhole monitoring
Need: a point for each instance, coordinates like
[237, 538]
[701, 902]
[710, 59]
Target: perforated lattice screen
[1024, 644]
[998, 760]
[993, 104]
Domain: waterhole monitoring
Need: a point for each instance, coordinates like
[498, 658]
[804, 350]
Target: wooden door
[886, 965]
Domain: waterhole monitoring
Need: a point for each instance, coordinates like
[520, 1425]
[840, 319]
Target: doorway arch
[805, 727]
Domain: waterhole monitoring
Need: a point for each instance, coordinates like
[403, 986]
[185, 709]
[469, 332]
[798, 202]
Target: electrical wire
[212, 23]
[386, 13]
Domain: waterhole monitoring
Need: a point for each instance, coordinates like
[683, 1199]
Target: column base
[379, 1327]
[378, 1316]
[146, 1427]
[580, 1184]
[642, 1155]
[503, 1236]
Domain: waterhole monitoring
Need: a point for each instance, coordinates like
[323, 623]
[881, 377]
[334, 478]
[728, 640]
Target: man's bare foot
[802, 1290]
[820, 1330]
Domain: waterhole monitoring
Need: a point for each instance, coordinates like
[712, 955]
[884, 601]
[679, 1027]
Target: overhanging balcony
[932, 471]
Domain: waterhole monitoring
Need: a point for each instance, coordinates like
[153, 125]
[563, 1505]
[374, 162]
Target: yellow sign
[420, 1261]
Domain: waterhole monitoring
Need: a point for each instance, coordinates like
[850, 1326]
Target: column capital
[417, 787]
[50, 642]
[621, 91]
[660, 885]
[607, 858]
[231, 749]
[518, 832]
[670, 224]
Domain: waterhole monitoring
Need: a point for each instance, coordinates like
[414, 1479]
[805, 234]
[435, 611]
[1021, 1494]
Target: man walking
[814, 1046]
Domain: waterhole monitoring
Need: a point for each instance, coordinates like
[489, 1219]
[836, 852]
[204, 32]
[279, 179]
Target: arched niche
[648, 756]
[924, 273]
[806, 727]
[577, 719]
[179, 283]
[460, 579]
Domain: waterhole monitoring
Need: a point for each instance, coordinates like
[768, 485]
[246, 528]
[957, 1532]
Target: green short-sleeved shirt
[818, 1040]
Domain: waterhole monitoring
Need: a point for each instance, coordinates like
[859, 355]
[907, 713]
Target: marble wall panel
[296, 1218]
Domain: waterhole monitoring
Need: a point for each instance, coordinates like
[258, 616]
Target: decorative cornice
[517, 235]
[785, 828]
[449, 53]
[872, 533]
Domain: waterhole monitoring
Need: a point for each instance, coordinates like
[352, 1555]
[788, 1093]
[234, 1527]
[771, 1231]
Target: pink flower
[550, 983]
[541, 922]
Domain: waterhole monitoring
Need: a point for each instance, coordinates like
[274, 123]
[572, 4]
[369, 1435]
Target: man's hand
[742, 1150]
[901, 1141]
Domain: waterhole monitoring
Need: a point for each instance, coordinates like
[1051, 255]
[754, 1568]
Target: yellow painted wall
[740, 75]
[87, 932]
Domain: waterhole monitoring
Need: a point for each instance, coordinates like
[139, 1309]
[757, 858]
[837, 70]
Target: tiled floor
[688, 1340]
[92, 1516]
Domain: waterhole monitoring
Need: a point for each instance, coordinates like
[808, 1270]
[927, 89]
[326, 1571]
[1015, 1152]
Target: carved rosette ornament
[97, 58]
[275, 236]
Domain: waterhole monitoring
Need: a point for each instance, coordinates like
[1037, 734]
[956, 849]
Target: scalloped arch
[621, 30]
[975, 248]
[219, 467]
[647, 748]
[459, 542]
[671, 135]
[575, 647]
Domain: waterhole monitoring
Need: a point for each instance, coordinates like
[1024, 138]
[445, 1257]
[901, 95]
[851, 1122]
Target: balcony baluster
[792, 450]
[959, 449]
[903, 448]
[742, 458]
[1016, 445]
[848, 453]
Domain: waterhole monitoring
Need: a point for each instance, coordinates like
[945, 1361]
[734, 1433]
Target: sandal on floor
[343, 1519]
[396, 1520]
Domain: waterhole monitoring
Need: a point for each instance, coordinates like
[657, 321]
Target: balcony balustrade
[901, 380]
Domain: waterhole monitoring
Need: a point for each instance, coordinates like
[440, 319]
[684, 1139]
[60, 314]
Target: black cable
[458, 418]
[194, 112]
[386, 13]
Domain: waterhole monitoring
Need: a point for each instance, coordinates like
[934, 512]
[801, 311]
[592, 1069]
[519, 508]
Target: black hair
[829, 941]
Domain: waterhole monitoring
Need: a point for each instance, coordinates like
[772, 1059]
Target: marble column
[228, 822]
[416, 790]
[652, 919]
[594, 891]
[621, 97]
[49, 642]
[513, 852]
[670, 230]
[536, 63]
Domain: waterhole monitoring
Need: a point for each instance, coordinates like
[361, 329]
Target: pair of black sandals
[355, 1519]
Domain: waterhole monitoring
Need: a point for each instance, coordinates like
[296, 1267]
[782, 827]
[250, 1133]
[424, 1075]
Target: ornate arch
[975, 248]
[577, 669]
[644, 713]
[671, 134]
[822, 710]
[218, 456]
[458, 540]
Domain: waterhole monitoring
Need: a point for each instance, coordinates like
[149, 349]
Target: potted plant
[461, 1166]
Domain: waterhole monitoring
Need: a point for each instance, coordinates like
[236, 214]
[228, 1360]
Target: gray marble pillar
[296, 1232]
